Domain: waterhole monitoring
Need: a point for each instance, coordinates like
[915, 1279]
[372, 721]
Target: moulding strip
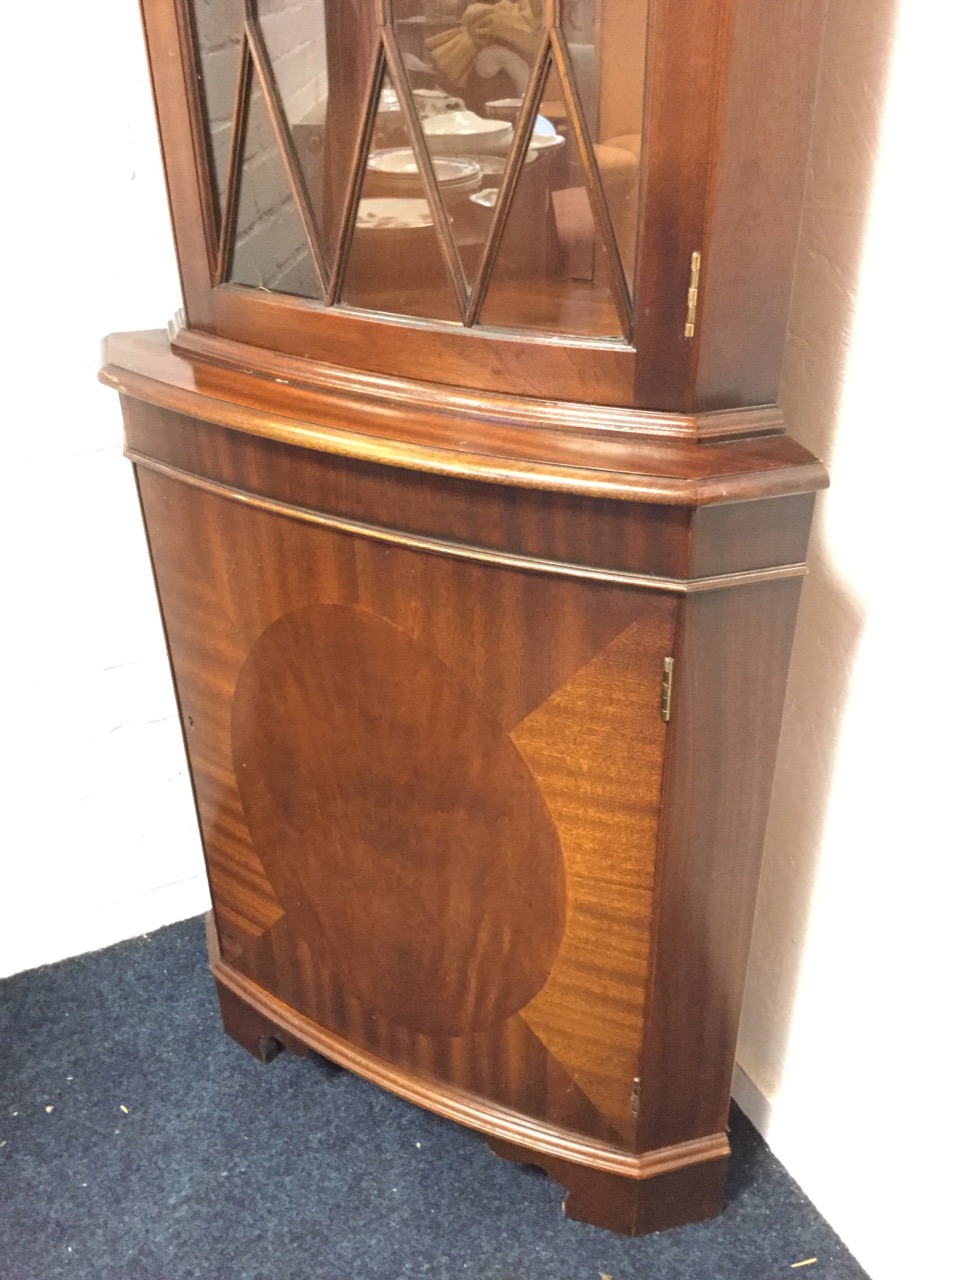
[465, 1108]
[595, 191]
[465, 550]
[431, 188]
[713, 425]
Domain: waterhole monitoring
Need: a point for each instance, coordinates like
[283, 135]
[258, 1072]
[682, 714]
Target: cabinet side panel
[755, 220]
[731, 667]
[750, 535]
[683, 82]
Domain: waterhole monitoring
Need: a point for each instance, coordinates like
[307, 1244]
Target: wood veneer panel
[351, 821]
[531, 662]
[607, 821]
[748, 266]
[559, 526]
[731, 665]
[684, 79]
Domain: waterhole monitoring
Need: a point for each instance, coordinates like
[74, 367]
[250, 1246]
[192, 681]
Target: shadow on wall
[857, 46]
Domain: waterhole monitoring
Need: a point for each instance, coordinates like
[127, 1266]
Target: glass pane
[483, 53]
[551, 271]
[396, 264]
[295, 37]
[468, 66]
[270, 246]
[321, 54]
[218, 27]
[611, 88]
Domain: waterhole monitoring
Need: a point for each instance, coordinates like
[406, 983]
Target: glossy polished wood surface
[351, 821]
[451, 839]
[553, 446]
[731, 654]
[480, 626]
[420, 786]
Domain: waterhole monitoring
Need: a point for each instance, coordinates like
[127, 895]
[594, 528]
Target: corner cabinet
[478, 542]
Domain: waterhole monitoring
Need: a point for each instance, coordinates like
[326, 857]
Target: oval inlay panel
[400, 827]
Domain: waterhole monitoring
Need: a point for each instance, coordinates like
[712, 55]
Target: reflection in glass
[295, 39]
[270, 246]
[395, 262]
[218, 29]
[611, 87]
[468, 67]
[482, 52]
[551, 273]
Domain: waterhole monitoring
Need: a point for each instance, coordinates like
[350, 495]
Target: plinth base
[631, 1195]
[630, 1206]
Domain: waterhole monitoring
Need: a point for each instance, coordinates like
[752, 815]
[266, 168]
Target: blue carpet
[140, 1143]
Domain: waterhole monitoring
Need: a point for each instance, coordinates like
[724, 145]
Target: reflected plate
[387, 213]
[464, 132]
[486, 198]
[400, 163]
[545, 141]
[544, 136]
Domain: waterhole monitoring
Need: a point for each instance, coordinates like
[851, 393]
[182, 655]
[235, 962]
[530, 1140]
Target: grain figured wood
[420, 583]
[554, 527]
[754, 222]
[450, 839]
[731, 661]
[517, 715]
[334, 800]
[534, 1141]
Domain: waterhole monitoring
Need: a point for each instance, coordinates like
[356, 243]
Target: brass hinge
[692, 294]
[635, 1096]
[666, 689]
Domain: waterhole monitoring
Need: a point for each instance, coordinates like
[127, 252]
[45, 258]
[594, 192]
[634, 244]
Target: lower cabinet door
[429, 789]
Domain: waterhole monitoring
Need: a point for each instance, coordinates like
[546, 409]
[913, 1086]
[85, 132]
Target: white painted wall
[848, 1028]
[99, 839]
[845, 1033]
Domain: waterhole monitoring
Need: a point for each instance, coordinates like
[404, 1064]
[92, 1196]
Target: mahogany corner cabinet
[478, 541]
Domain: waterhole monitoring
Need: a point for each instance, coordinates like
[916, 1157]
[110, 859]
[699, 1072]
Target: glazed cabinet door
[429, 790]
[353, 180]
